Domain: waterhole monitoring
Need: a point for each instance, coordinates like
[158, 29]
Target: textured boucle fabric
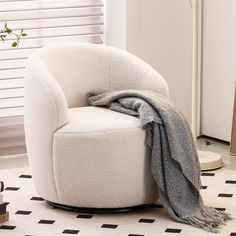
[88, 168]
[58, 78]
[175, 164]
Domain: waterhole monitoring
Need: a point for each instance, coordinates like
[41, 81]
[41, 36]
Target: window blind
[46, 22]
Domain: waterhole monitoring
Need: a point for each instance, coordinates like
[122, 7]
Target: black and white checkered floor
[30, 215]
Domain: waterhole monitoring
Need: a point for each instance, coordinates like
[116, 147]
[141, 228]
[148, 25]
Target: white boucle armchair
[83, 156]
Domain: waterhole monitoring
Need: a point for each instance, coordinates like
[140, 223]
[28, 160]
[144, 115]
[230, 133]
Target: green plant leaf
[8, 30]
[207, 142]
[14, 44]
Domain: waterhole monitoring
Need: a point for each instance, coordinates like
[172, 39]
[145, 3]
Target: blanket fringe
[210, 219]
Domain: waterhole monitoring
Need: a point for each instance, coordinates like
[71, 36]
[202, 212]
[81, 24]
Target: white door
[218, 67]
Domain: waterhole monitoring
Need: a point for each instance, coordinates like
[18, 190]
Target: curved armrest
[45, 112]
[154, 81]
[130, 72]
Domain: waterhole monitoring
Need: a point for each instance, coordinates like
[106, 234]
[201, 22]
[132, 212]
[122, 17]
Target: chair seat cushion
[101, 160]
[97, 119]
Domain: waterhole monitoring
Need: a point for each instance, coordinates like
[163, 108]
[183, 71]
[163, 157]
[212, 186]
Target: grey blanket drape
[175, 165]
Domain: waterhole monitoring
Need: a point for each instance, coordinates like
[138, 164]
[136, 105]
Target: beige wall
[159, 32]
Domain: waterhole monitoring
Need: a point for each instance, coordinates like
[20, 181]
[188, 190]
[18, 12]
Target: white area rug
[31, 216]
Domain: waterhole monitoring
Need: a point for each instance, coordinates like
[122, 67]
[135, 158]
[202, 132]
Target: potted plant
[7, 32]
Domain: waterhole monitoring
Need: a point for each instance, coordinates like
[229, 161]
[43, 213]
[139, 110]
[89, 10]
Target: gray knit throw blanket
[175, 164]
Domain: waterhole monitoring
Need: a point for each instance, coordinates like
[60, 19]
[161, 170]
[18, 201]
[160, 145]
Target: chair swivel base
[97, 210]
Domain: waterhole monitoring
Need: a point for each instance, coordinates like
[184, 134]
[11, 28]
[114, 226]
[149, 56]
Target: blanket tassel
[209, 220]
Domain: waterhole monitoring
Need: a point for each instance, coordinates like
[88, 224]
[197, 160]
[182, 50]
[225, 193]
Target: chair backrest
[80, 68]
